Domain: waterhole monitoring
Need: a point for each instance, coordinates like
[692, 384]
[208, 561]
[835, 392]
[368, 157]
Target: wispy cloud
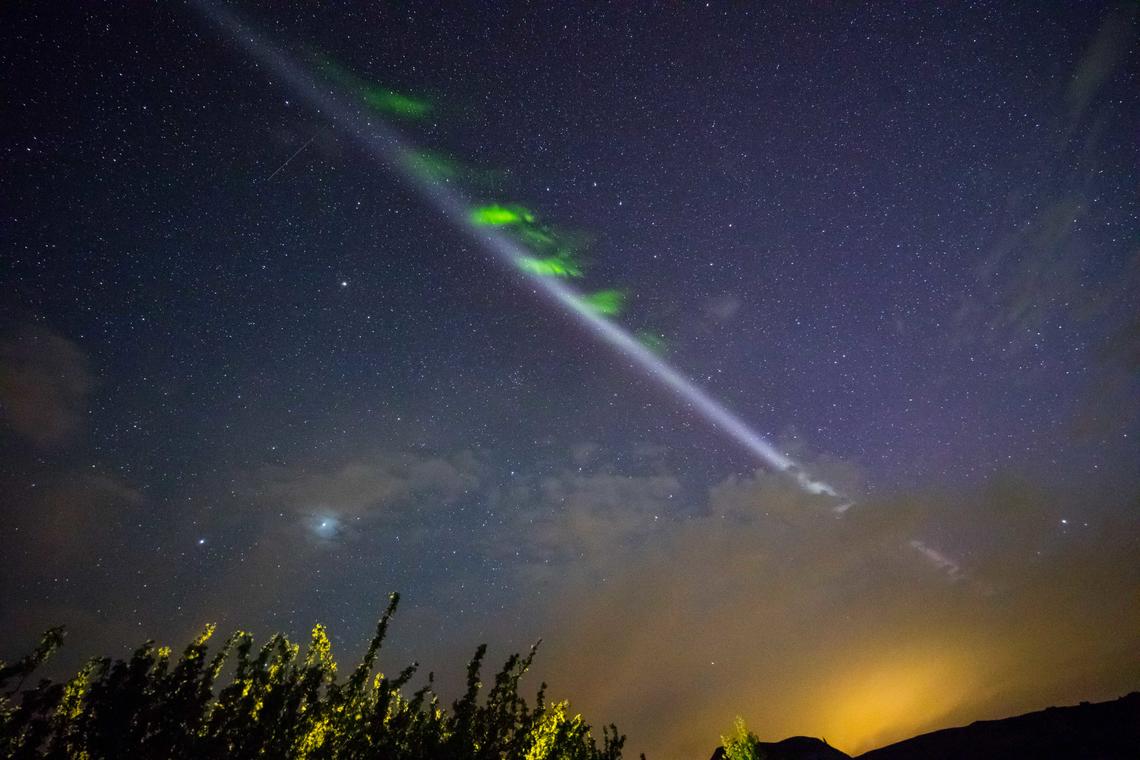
[896, 617]
[44, 382]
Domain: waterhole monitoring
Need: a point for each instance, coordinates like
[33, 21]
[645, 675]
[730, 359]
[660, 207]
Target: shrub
[279, 704]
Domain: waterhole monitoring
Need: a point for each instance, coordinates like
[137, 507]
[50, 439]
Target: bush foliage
[742, 745]
[278, 704]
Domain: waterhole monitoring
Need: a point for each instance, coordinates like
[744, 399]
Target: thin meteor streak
[282, 166]
[390, 148]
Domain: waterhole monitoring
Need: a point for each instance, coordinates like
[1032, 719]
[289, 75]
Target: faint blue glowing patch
[324, 525]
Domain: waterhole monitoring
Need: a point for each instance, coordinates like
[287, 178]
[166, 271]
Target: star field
[248, 375]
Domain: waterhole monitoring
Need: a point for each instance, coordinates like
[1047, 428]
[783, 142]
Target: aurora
[499, 215]
[580, 349]
[484, 223]
[378, 98]
[549, 266]
[608, 302]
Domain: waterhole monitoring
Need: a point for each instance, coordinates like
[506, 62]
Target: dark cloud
[371, 486]
[70, 541]
[900, 615]
[70, 520]
[724, 307]
[1041, 264]
[1048, 261]
[1059, 273]
[358, 527]
[583, 519]
[44, 383]
[1101, 60]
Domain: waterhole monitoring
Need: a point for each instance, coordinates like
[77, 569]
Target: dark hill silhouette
[1101, 731]
[794, 748]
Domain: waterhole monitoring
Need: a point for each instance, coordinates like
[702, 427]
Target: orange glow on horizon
[894, 698]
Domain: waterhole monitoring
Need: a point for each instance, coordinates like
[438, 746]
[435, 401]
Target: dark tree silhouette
[279, 704]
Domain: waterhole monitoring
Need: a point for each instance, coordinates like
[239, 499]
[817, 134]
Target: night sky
[250, 374]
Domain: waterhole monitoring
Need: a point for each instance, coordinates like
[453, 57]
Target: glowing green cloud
[522, 223]
[378, 98]
[438, 167]
[394, 103]
[608, 302]
[549, 266]
[496, 215]
[551, 259]
[536, 237]
[654, 342]
[432, 165]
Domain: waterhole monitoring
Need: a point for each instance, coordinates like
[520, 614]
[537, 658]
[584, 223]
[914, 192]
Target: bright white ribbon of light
[387, 146]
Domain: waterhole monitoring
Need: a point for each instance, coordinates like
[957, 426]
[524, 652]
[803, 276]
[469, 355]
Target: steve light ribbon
[393, 150]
